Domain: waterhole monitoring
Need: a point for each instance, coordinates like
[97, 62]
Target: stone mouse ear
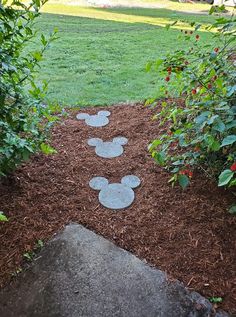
[131, 181]
[94, 141]
[120, 140]
[98, 183]
[104, 113]
[82, 116]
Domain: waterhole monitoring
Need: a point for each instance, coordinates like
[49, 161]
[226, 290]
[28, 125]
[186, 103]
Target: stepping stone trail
[116, 195]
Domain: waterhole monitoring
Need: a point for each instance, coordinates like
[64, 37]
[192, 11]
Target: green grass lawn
[101, 54]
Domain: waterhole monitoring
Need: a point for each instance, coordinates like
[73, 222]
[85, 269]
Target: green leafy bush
[199, 111]
[24, 120]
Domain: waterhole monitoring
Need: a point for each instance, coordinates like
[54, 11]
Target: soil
[189, 234]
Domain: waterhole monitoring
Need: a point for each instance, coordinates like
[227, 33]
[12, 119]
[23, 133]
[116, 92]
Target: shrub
[24, 120]
[199, 113]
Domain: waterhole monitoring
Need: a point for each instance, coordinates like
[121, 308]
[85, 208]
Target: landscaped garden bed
[187, 233]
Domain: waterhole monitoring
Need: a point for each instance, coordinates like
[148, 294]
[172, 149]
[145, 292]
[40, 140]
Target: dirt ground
[189, 234]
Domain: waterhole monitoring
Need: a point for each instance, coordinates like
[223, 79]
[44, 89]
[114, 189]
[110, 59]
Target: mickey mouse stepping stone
[116, 195]
[108, 149]
[97, 120]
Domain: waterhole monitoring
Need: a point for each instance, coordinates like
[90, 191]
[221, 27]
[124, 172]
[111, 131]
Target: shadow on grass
[156, 17]
[160, 12]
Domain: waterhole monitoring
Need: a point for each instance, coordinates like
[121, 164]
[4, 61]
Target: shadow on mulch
[189, 234]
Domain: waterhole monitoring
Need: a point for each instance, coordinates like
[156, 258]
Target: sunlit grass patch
[100, 55]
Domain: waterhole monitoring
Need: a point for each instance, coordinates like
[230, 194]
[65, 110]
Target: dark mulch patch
[188, 234]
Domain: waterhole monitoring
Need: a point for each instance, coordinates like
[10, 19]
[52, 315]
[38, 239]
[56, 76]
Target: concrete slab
[81, 274]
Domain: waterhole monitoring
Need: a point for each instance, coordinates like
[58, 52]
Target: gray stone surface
[98, 120]
[131, 181]
[108, 149]
[116, 195]
[120, 140]
[81, 274]
[98, 183]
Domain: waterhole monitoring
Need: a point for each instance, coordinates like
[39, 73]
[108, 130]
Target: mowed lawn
[100, 55]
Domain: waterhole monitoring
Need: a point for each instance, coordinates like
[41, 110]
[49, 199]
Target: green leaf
[40, 244]
[230, 139]
[216, 300]
[212, 119]
[232, 182]
[215, 146]
[148, 66]
[183, 181]
[29, 255]
[231, 91]
[43, 40]
[231, 125]
[232, 209]
[47, 149]
[225, 177]
[212, 10]
[158, 63]
[37, 55]
[219, 83]
[159, 157]
[152, 146]
[212, 143]
[3, 218]
[219, 125]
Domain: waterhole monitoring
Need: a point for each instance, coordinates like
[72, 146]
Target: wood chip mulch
[189, 234]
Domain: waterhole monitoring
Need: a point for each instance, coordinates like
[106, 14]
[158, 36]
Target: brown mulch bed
[189, 234]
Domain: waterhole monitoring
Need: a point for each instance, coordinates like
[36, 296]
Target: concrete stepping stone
[97, 120]
[108, 149]
[116, 195]
[81, 274]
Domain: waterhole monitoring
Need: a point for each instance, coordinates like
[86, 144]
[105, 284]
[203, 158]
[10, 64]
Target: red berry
[233, 167]
[191, 32]
[216, 50]
[169, 73]
[209, 86]
[167, 78]
[187, 172]
[186, 62]
[169, 69]
[197, 37]
[194, 91]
